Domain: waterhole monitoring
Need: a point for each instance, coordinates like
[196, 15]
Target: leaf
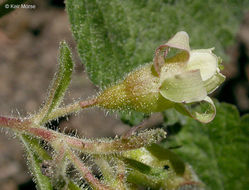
[34, 147]
[104, 42]
[42, 181]
[145, 175]
[60, 83]
[218, 151]
[113, 37]
[172, 117]
[162, 153]
[157, 167]
[132, 118]
[73, 186]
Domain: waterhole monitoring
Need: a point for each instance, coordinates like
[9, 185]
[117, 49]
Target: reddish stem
[14, 123]
[86, 173]
[88, 103]
[87, 146]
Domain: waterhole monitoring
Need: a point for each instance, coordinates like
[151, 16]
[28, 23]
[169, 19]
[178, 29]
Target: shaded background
[29, 42]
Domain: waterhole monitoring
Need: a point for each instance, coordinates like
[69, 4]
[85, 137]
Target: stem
[115, 180]
[69, 109]
[117, 145]
[14, 123]
[121, 174]
[132, 130]
[63, 111]
[86, 172]
[99, 146]
[105, 168]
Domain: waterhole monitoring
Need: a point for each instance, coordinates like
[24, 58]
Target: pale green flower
[197, 76]
[178, 81]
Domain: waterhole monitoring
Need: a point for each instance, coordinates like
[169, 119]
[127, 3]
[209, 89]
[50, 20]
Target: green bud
[161, 168]
[179, 81]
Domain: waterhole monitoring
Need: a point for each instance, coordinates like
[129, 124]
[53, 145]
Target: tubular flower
[181, 81]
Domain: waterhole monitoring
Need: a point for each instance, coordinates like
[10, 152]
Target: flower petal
[214, 82]
[179, 41]
[186, 87]
[204, 60]
[204, 111]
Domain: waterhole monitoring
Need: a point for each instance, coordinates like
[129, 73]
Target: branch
[100, 146]
[69, 109]
[86, 172]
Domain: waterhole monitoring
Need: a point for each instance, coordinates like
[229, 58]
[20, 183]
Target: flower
[179, 81]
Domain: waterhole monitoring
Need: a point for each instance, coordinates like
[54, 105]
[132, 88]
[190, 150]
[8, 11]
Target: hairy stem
[121, 174]
[86, 172]
[100, 146]
[105, 168]
[113, 175]
[69, 109]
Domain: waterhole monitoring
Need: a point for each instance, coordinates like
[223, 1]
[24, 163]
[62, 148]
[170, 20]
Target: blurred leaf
[34, 162]
[60, 83]
[172, 117]
[218, 151]
[73, 186]
[114, 37]
[132, 118]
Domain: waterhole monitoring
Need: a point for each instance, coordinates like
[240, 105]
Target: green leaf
[144, 175]
[171, 117]
[218, 151]
[132, 118]
[42, 181]
[60, 83]
[35, 146]
[162, 153]
[103, 37]
[141, 167]
[157, 167]
[73, 186]
[113, 37]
